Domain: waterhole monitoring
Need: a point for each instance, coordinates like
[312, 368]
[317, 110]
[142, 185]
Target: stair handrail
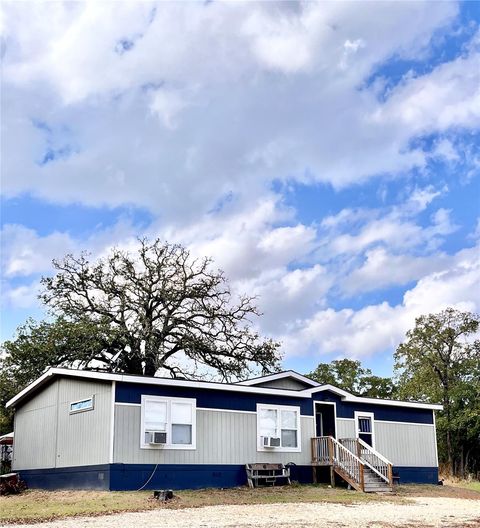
[386, 472]
[348, 462]
[374, 451]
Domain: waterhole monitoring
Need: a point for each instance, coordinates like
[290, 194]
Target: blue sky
[325, 155]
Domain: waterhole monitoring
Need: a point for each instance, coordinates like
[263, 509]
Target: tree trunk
[451, 462]
[446, 404]
[462, 465]
[467, 456]
[150, 367]
[133, 363]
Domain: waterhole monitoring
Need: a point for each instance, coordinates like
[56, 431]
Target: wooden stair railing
[327, 451]
[371, 458]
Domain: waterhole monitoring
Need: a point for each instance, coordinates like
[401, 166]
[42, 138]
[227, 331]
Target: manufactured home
[92, 430]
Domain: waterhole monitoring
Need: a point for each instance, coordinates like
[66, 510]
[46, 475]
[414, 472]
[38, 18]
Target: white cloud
[25, 253]
[20, 297]
[378, 328]
[446, 150]
[172, 106]
[193, 110]
[167, 105]
[382, 269]
[448, 96]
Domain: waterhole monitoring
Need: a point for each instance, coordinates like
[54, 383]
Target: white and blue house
[92, 430]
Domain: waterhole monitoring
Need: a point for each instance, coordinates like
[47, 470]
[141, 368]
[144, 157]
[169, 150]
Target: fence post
[330, 451]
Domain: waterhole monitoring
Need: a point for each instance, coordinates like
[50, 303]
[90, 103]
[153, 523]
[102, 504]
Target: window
[365, 427]
[174, 417]
[82, 405]
[279, 421]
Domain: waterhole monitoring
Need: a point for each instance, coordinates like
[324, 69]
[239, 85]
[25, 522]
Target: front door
[325, 419]
[364, 427]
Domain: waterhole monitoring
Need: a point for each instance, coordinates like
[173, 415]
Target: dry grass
[454, 490]
[34, 505]
[44, 505]
[475, 486]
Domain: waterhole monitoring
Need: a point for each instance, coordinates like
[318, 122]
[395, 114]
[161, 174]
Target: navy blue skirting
[178, 476]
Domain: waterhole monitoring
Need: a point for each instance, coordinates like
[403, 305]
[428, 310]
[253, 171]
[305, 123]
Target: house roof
[280, 375]
[231, 387]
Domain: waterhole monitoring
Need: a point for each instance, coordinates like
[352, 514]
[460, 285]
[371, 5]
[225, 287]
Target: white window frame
[359, 414]
[279, 408]
[85, 409]
[169, 401]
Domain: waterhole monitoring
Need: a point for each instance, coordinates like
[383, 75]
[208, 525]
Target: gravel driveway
[424, 512]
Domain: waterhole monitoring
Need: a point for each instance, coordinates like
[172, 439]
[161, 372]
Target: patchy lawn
[33, 505]
[475, 486]
[44, 505]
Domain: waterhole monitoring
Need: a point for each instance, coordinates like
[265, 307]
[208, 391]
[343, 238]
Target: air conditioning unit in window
[155, 437]
[270, 441]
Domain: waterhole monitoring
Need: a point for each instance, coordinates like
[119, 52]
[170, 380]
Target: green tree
[349, 374]
[377, 387]
[173, 312]
[439, 361]
[39, 345]
[137, 314]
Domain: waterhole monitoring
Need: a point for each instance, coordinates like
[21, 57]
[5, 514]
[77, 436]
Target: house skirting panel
[416, 475]
[80, 477]
[119, 477]
[187, 476]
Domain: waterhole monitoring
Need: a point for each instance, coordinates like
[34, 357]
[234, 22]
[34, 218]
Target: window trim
[85, 409]
[278, 408]
[169, 401]
[371, 415]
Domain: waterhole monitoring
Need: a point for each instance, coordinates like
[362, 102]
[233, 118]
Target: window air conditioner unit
[156, 437]
[270, 441]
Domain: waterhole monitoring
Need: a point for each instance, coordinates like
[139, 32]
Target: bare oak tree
[172, 311]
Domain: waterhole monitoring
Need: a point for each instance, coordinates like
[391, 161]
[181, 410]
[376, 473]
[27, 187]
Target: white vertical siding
[406, 444]
[83, 438]
[345, 428]
[222, 438]
[36, 430]
[48, 436]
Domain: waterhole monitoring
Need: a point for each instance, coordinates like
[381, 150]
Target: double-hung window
[280, 422]
[168, 423]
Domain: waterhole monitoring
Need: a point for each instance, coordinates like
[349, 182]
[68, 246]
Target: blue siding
[242, 401]
[170, 476]
[382, 412]
[187, 476]
[213, 399]
[120, 477]
[81, 477]
[416, 475]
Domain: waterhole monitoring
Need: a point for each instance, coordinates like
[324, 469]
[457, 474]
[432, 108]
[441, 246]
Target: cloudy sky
[326, 155]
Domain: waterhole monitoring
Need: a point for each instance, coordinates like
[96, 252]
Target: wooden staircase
[355, 462]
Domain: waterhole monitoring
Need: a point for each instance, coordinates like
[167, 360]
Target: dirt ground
[422, 511]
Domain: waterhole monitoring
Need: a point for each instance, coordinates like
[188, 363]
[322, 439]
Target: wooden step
[383, 488]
